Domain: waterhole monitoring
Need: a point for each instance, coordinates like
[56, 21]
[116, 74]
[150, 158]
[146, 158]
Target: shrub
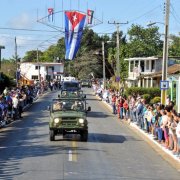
[147, 98]
[153, 92]
[155, 100]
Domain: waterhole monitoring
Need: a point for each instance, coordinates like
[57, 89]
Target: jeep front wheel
[51, 135]
[84, 136]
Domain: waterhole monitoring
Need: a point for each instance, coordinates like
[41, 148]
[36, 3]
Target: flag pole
[53, 11]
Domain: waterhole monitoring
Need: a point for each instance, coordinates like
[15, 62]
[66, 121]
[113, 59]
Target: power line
[19, 29]
[145, 14]
[174, 14]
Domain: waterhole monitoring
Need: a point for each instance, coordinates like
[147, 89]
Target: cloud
[22, 21]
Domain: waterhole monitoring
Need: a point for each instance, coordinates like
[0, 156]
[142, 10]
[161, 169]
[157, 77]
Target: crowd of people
[13, 100]
[160, 121]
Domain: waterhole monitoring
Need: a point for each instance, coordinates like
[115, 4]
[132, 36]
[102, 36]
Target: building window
[34, 77]
[131, 66]
[141, 66]
[136, 63]
[37, 67]
[147, 65]
[48, 77]
[153, 65]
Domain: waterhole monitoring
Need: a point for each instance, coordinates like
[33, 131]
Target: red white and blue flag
[50, 13]
[90, 16]
[74, 24]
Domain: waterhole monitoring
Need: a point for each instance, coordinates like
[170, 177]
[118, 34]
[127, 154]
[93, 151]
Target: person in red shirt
[120, 108]
[114, 103]
[126, 109]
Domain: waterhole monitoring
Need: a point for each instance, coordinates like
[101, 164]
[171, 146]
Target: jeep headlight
[56, 120]
[81, 120]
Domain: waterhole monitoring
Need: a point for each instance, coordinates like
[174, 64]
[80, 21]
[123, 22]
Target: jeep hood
[69, 114]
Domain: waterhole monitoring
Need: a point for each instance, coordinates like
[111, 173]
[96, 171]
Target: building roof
[141, 58]
[174, 69]
[42, 63]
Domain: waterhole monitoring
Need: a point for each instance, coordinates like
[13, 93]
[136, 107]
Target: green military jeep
[68, 116]
[86, 83]
[71, 94]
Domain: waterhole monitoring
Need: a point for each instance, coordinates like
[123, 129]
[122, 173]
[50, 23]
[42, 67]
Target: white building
[46, 71]
[141, 70]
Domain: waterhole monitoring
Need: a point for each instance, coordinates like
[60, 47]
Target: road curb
[162, 151]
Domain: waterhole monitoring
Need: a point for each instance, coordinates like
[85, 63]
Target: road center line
[73, 153]
[70, 155]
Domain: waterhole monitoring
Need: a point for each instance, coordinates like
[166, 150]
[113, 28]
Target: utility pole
[118, 68]
[16, 59]
[1, 47]
[165, 52]
[104, 71]
[39, 75]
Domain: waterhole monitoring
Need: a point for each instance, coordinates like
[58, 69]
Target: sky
[26, 20]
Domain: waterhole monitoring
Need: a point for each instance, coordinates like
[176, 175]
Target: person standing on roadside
[178, 134]
[51, 85]
[114, 103]
[126, 109]
[15, 103]
[120, 107]
[173, 128]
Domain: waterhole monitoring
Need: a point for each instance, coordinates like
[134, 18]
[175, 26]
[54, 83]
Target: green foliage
[147, 98]
[144, 42]
[86, 64]
[31, 56]
[155, 100]
[5, 81]
[174, 49]
[135, 91]
[153, 92]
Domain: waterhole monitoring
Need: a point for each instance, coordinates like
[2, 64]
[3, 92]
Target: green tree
[144, 42]
[174, 49]
[31, 56]
[88, 63]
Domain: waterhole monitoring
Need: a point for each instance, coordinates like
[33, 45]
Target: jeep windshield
[70, 86]
[71, 94]
[68, 105]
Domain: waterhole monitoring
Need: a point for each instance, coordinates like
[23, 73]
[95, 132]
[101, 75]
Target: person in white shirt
[164, 127]
[15, 103]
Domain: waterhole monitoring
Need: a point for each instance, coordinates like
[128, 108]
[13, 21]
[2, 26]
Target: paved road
[112, 152]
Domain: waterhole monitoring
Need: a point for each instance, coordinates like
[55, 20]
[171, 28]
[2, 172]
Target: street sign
[164, 85]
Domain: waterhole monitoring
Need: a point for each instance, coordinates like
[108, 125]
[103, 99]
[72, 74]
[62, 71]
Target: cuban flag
[74, 23]
[90, 16]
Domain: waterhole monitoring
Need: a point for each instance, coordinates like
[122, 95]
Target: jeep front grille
[69, 121]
